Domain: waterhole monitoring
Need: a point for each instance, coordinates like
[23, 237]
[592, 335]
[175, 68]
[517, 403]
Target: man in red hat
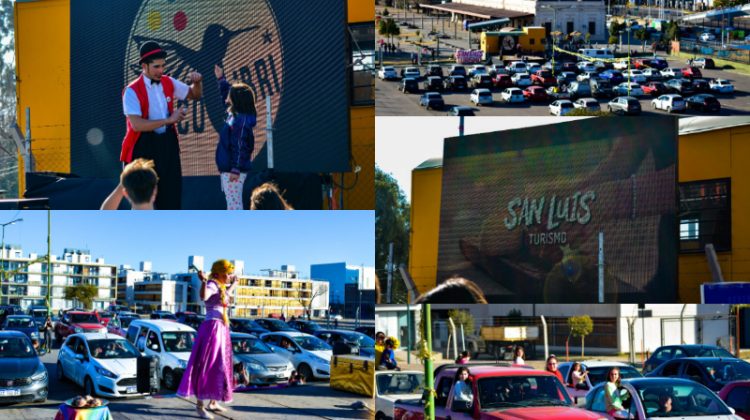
[149, 105]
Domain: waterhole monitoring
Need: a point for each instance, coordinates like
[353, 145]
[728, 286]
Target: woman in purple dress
[208, 375]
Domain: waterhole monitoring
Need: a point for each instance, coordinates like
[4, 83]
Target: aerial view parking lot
[428, 67]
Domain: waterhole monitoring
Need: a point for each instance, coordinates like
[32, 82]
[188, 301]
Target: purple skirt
[208, 375]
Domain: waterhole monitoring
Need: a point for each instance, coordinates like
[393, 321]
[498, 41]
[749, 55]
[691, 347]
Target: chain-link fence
[730, 53]
[8, 169]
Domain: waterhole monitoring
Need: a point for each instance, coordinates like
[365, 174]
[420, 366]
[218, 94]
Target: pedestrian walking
[48, 333]
[209, 372]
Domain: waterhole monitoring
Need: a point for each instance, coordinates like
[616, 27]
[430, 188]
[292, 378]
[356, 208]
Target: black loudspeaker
[148, 375]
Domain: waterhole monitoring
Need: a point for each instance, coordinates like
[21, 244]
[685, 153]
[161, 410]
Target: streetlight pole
[2, 255]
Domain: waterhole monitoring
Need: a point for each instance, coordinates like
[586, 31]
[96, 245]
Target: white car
[393, 385]
[721, 86]
[310, 355]
[587, 75]
[590, 104]
[532, 68]
[103, 364]
[652, 74]
[517, 67]
[630, 89]
[512, 95]
[674, 72]
[521, 79]
[597, 372]
[707, 36]
[669, 102]
[620, 64]
[412, 72]
[635, 75]
[478, 69]
[586, 66]
[481, 97]
[170, 342]
[387, 73]
[561, 107]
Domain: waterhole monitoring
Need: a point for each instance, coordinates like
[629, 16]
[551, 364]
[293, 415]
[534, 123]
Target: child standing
[236, 140]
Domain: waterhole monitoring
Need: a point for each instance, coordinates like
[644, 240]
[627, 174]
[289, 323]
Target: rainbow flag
[67, 412]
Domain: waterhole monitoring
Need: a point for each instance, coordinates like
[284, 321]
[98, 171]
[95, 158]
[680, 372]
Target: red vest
[139, 87]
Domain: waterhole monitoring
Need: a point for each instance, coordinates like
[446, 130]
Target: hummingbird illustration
[181, 60]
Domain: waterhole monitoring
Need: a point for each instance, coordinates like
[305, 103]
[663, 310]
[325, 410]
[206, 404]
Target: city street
[314, 400]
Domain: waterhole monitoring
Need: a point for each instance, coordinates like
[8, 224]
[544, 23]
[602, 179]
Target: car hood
[88, 325]
[267, 359]
[122, 367]
[533, 413]
[395, 397]
[25, 330]
[18, 367]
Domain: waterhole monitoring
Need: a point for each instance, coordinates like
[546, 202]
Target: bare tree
[8, 152]
[322, 289]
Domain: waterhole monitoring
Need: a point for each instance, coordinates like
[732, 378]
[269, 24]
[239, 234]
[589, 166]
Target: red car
[691, 72]
[654, 88]
[535, 94]
[544, 78]
[78, 322]
[737, 395]
[502, 81]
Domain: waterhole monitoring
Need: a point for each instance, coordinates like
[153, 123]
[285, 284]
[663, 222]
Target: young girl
[388, 358]
[462, 388]
[236, 140]
[209, 372]
[463, 358]
[519, 355]
[577, 376]
[612, 394]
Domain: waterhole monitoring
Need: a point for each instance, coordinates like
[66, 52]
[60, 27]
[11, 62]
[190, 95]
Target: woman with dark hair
[462, 385]
[267, 197]
[578, 376]
[612, 394]
[236, 141]
[519, 355]
[551, 367]
[463, 358]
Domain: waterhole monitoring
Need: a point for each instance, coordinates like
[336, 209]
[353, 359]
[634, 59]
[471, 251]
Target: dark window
[548, 28]
[531, 41]
[694, 373]
[705, 215]
[670, 369]
[444, 388]
[362, 44]
[739, 399]
[592, 28]
[571, 28]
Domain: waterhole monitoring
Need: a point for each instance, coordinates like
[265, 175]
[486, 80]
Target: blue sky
[261, 239]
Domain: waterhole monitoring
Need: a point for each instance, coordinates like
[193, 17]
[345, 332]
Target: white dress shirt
[157, 103]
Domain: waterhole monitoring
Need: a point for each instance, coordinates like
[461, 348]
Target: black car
[307, 327]
[665, 353]
[682, 86]
[460, 111]
[409, 85]
[247, 326]
[434, 70]
[6, 310]
[455, 83]
[457, 71]
[701, 85]
[163, 315]
[601, 88]
[703, 103]
[191, 319]
[712, 372]
[433, 83]
[274, 325]
[432, 100]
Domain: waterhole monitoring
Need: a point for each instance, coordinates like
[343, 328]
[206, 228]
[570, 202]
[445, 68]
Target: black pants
[48, 339]
[164, 150]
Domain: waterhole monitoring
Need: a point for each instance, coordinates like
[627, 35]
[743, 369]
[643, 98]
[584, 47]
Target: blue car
[614, 77]
[24, 324]
[19, 361]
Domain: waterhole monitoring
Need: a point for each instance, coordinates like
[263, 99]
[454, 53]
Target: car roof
[161, 325]
[327, 330]
[241, 335]
[19, 316]
[659, 379]
[710, 359]
[82, 312]
[598, 363]
[7, 334]
[98, 336]
[483, 371]
[288, 333]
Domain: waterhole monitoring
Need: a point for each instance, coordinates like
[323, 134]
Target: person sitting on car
[181, 344]
[462, 390]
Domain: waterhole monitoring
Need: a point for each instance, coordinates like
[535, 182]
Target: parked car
[512, 95]
[105, 365]
[40, 317]
[409, 85]
[635, 75]
[672, 73]
[247, 326]
[455, 83]
[517, 67]
[597, 373]
[502, 81]
[586, 67]
[720, 86]
[478, 69]
[273, 324]
[658, 63]
[191, 319]
[432, 84]
[566, 77]
[535, 94]
[118, 308]
[665, 353]
[105, 316]
[24, 324]
[170, 342]
[481, 81]
[737, 396]
[587, 76]
[544, 78]
[682, 86]
[601, 88]
[624, 105]
[621, 64]
[24, 376]
[459, 111]
[630, 89]
[532, 68]
[691, 72]
[163, 315]
[119, 324]
[703, 62]
[431, 100]
[310, 355]
[391, 386]
[653, 75]
[305, 326]
[6, 310]
[434, 70]
[359, 343]
[570, 66]
[690, 400]
[496, 69]
[579, 89]
[615, 77]
[703, 103]
[561, 107]
[670, 102]
[263, 365]
[521, 79]
[387, 73]
[481, 97]
[78, 322]
[457, 70]
[701, 85]
[712, 372]
[654, 88]
[589, 104]
[410, 72]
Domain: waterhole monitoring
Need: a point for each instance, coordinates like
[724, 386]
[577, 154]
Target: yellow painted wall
[42, 37]
[489, 44]
[535, 33]
[710, 155]
[361, 11]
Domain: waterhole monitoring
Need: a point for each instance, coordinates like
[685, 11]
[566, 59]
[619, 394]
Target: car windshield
[310, 325]
[707, 351]
[249, 345]
[112, 349]
[598, 374]
[279, 325]
[21, 323]
[521, 391]
[105, 314]
[311, 343]
[727, 370]
[359, 339]
[566, 105]
[126, 320]
[39, 313]
[400, 383]
[76, 318]
[178, 341]
[167, 316]
[16, 347]
[485, 94]
[687, 400]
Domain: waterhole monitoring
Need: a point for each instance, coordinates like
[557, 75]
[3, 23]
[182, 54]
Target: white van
[597, 53]
[170, 342]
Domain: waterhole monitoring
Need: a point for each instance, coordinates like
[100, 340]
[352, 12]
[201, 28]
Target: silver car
[264, 366]
[23, 376]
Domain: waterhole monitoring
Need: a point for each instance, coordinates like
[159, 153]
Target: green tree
[672, 31]
[391, 225]
[515, 313]
[389, 28]
[642, 35]
[8, 151]
[386, 12]
[464, 318]
[82, 293]
[580, 326]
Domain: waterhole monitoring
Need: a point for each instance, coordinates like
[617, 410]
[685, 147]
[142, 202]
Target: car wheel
[169, 378]
[306, 372]
[60, 374]
[88, 387]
